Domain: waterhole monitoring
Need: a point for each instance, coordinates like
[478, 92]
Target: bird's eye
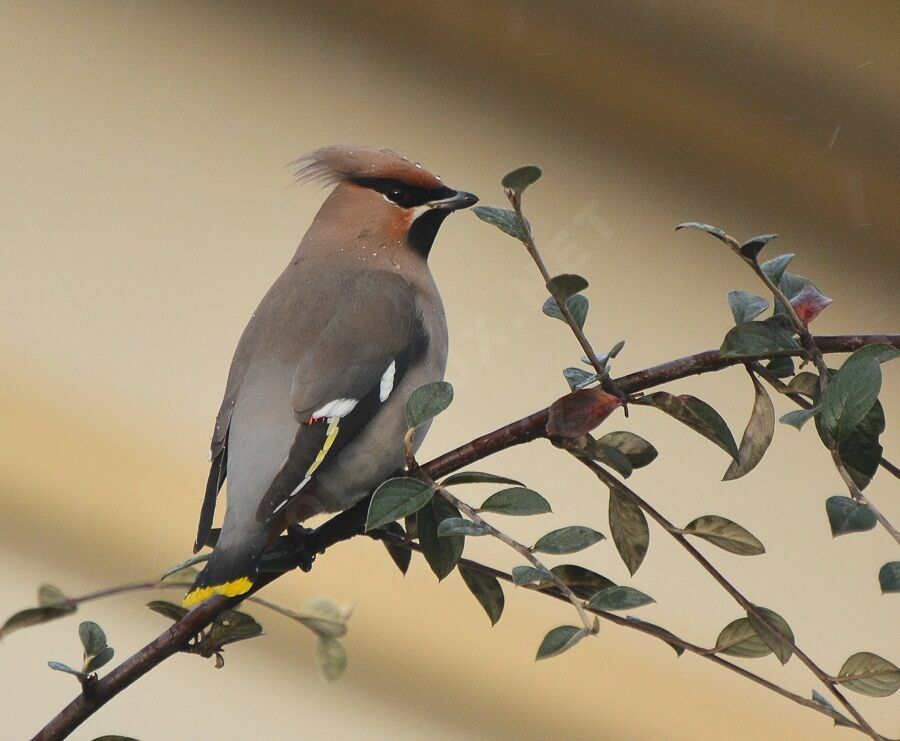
[398, 196]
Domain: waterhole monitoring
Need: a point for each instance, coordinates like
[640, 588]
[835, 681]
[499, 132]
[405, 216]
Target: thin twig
[735, 594]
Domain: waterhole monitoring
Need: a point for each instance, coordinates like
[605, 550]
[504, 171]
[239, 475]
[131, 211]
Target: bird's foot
[305, 553]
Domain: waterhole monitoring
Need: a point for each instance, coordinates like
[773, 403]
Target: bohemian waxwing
[314, 411]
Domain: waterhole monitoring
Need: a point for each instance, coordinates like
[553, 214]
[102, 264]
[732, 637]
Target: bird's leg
[304, 542]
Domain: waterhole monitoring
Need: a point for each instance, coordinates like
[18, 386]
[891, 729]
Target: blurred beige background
[145, 208]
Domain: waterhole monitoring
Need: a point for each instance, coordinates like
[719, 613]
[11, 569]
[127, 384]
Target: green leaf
[229, 626]
[775, 267]
[757, 436]
[461, 526]
[442, 554]
[476, 477]
[199, 558]
[696, 414]
[33, 616]
[753, 339]
[578, 306]
[879, 352]
[324, 617]
[728, 535]
[629, 529]
[850, 396]
[799, 417]
[805, 383]
[567, 540]
[487, 591]
[64, 668]
[397, 498]
[517, 500]
[399, 555]
[861, 452]
[560, 639]
[168, 609]
[522, 575]
[331, 658]
[520, 178]
[50, 596]
[889, 577]
[93, 663]
[781, 650]
[577, 378]
[428, 401]
[739, 638]
[640, 452]
[714, 230]
[619, 598]
[566, 285]
[92, 638]
[782, 367]
[505, 220]
[869, 674]
[583, 582]
[612, 457]
[752, 247]
[846, 515]
[745, 307]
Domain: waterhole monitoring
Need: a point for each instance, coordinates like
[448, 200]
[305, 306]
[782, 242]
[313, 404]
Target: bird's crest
[332, 165]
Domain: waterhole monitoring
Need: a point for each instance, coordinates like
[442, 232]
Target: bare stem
[738, 597]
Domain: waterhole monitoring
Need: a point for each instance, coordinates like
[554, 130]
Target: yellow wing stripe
[330, 437]
[229, 589]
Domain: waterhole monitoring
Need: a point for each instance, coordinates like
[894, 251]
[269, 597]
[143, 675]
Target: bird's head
[382, 195]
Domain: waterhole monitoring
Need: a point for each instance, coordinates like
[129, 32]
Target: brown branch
[349, 523]
[613, 483]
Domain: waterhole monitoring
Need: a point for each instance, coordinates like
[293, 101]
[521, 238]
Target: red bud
[809, 303]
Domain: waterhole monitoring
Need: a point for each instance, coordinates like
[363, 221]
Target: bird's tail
[230, 571]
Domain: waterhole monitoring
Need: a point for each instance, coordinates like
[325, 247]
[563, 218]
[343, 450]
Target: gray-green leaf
[516, 500]
[583, 582]
[168, 609]
[476, 477]
[846, 515]
[93, 663]
[852, 392]
[739, 638]
[522, 575]
[461, 526]
[726, 534]
[754, 339]
[442, 554]
[427, 402]
[629, 529]
[799, 417]
[567, 540]
[745, 307]
[781, 649]
[520, 178]
[775, 267]
[487, 591]
[757, 436]
[640, 452]
[505, 220]
[714, 230]
[696, 414]
[619, 598]
[578, 305]
[889, 577]
[92, 638]
[560, 639]
[869, 674]
[397, 498]
[33, 616]
[566, 285]
[331, 658]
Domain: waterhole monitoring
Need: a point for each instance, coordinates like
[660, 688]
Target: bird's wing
[374, 335]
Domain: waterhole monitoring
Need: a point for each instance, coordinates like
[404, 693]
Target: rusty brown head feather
[332, 165]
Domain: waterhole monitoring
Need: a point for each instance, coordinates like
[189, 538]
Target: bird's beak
[459, 200]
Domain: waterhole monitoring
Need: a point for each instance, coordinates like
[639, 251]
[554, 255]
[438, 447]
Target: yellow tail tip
[228, 589]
